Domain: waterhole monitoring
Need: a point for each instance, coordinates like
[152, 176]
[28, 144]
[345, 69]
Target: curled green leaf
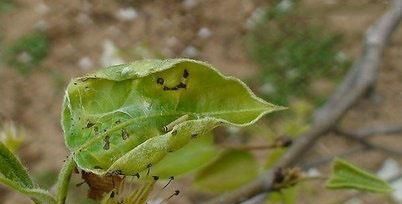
[126, 118]
[347, 176]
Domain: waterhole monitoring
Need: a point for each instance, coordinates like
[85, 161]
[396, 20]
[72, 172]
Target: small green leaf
[347, 176]
[12, 169]
[14, 176]
[199, 152]
[127, 117]
[231, 170]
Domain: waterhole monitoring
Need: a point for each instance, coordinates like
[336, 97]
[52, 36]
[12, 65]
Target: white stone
[85, 63]
[313, 172]
[127, 14]
[190, 51]
[41, 8]
[24, 57]
[109, 55]
[189, 4]
[267, 88]
[204, 32]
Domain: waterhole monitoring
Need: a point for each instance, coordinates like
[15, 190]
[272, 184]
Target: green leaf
[347, 176]
[14, 176]
[231, 170]
[115, 120]
[12, 169]
[197, 153]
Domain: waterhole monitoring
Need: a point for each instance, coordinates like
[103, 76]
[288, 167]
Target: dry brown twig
[358, 82]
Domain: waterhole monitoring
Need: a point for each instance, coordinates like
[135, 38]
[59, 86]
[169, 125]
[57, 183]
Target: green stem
[38, 195]
[64, 180]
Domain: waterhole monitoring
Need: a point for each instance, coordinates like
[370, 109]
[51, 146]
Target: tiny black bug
[160, 81]
[90, 124]
[182, 85]
[185, 73]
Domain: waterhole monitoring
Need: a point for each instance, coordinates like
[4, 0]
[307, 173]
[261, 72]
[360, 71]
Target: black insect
[90, 124]
[185, 73]
[155, 178]
[181, 85]
[107, 142]
[124, 134]
[160, 81]
[117, 122]
[97, 167]
[194, 135]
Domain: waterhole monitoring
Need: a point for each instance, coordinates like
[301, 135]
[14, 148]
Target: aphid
[90, 124]
[185, 73]
[165, 88]
[97, 167]
[155, 178]
[124, 134]
[112, 194]
[117, 122]
[194, 135]
[107, 142]
[179, 120]
[182, 85]
[160, 81]
[170, 180]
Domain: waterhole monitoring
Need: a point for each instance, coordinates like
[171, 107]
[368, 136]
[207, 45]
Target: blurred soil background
[291, 53]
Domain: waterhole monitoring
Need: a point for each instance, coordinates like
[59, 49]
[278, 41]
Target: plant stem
[64, 180]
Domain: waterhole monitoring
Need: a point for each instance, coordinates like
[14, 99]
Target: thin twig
[376, 130]
[367, 143]
[361, 78]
